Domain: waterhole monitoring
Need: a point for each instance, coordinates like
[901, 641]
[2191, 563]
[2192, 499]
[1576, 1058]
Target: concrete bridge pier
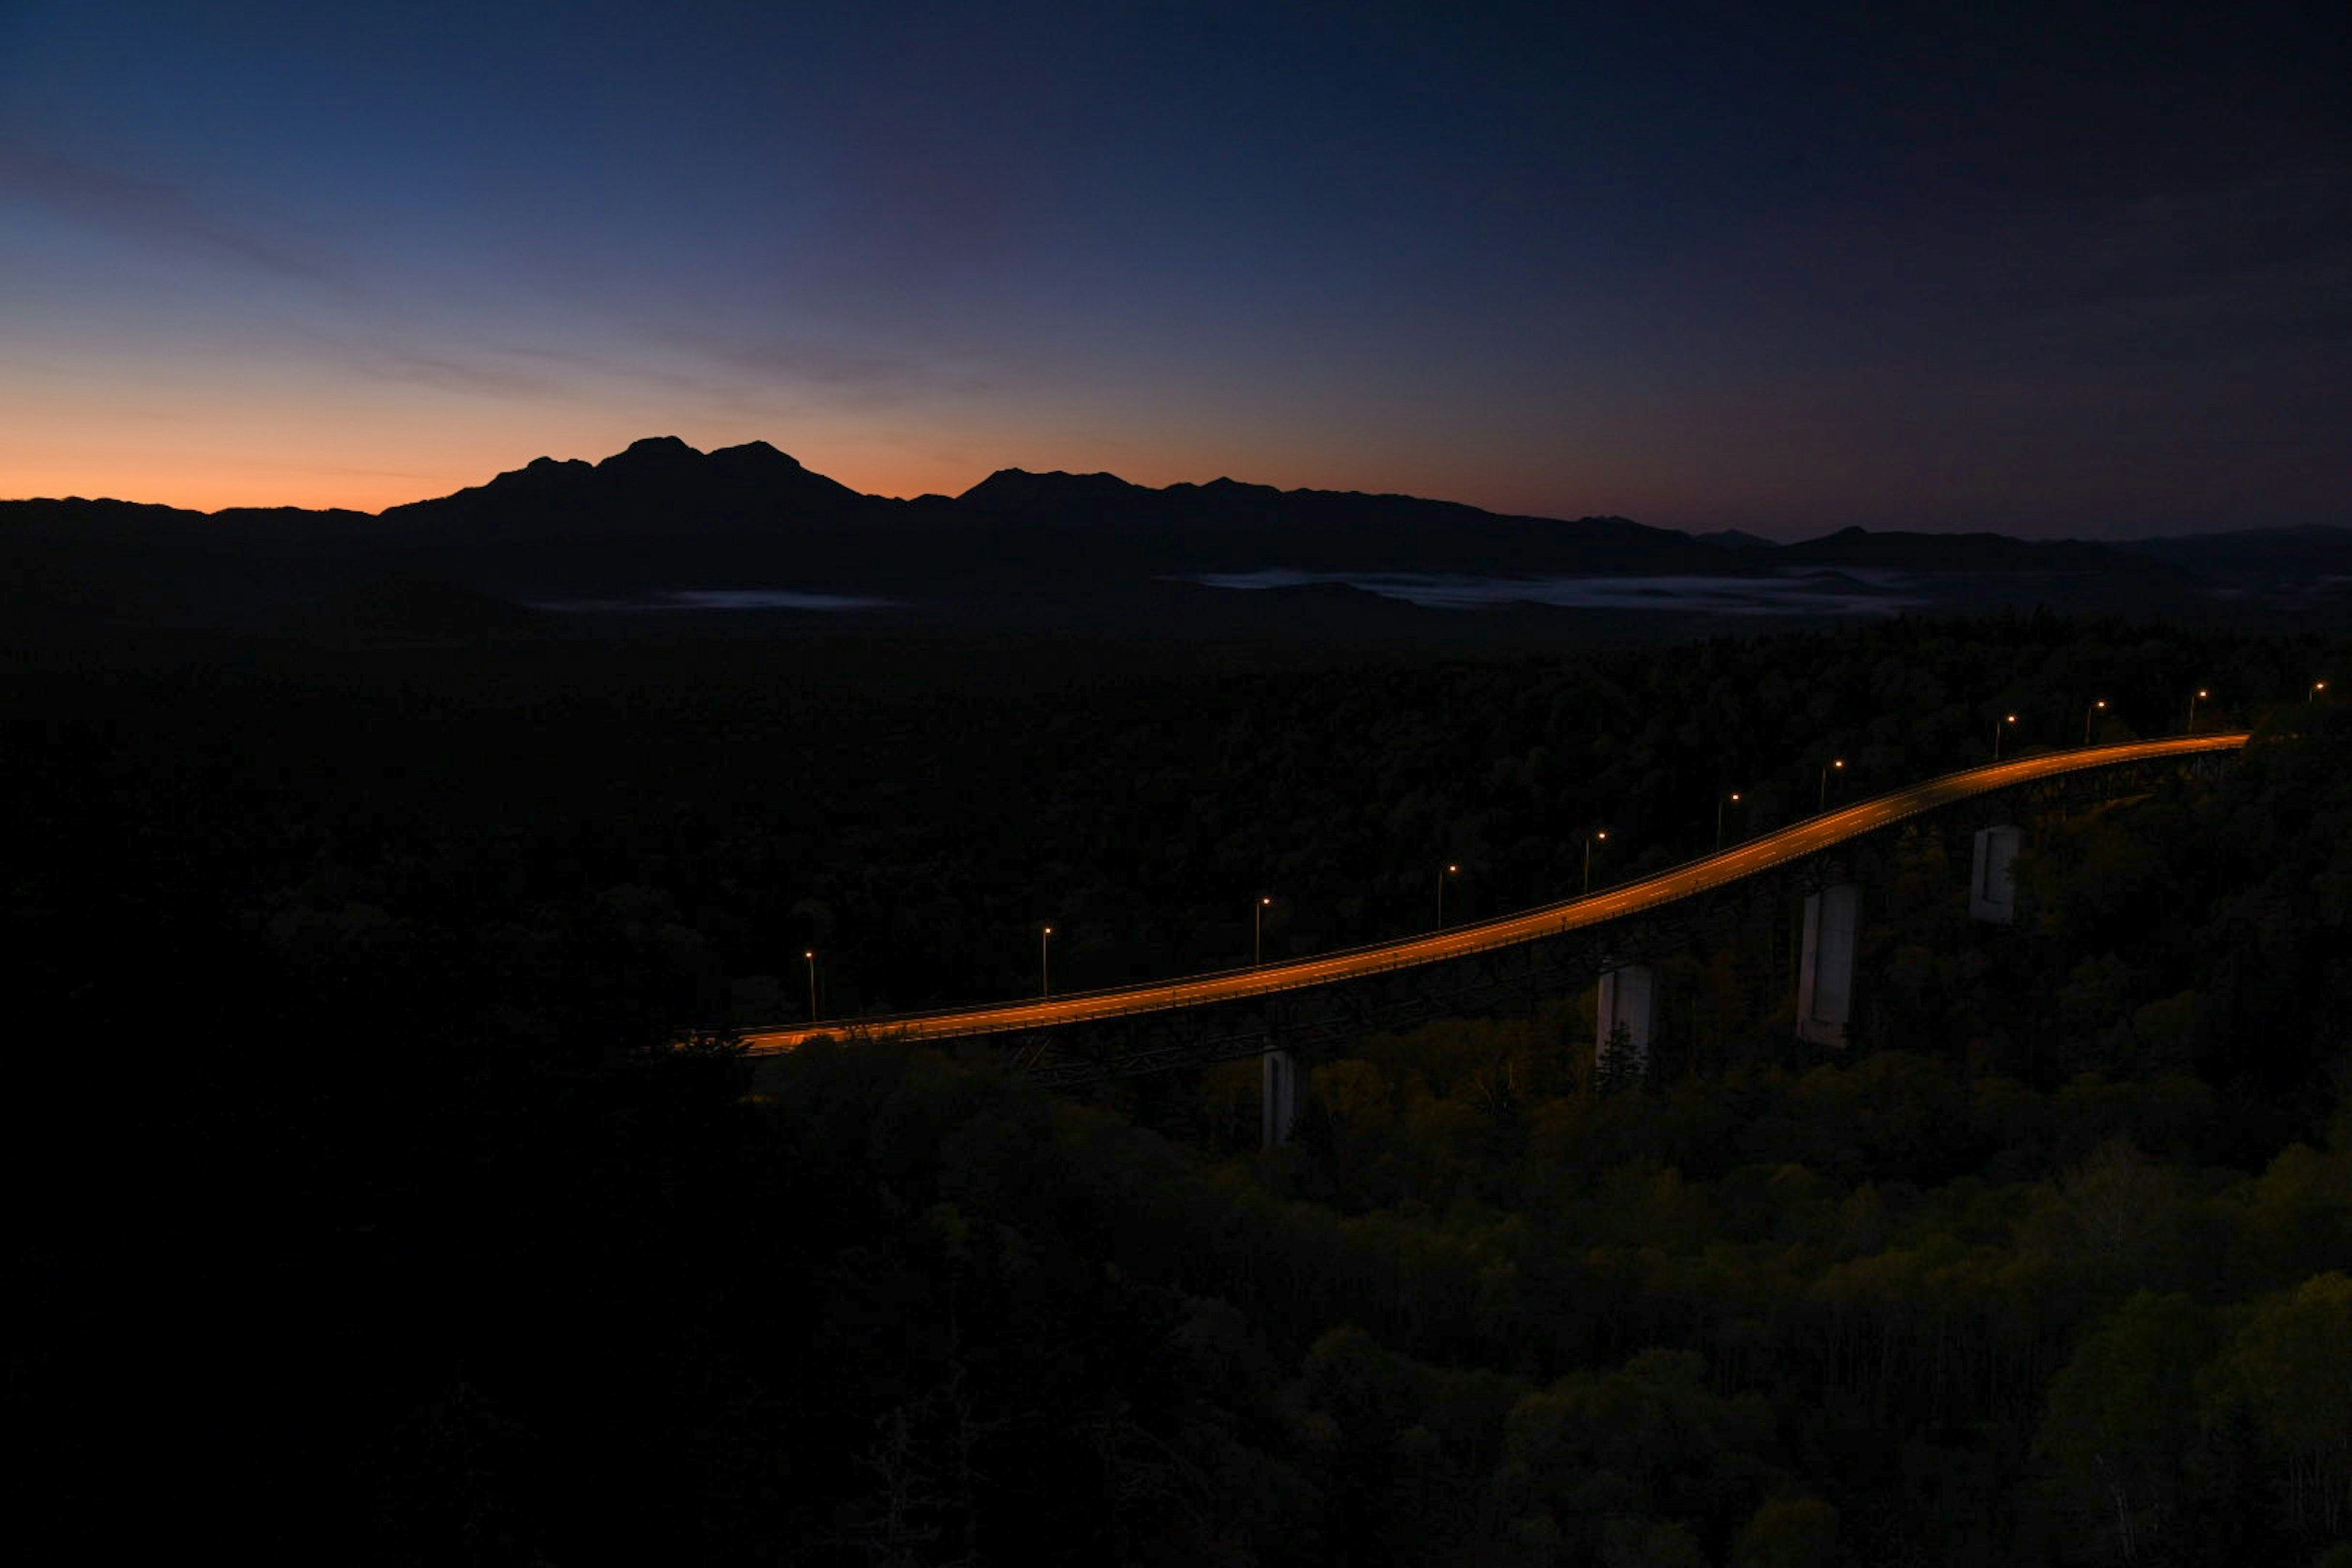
[1826, 973]
[1279, 1099]
[1993, 891]
[1622, 1020]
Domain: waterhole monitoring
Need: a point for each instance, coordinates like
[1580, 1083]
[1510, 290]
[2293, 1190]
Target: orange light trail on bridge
[1792, 843]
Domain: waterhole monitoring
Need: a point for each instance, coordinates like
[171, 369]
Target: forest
[370, 1209]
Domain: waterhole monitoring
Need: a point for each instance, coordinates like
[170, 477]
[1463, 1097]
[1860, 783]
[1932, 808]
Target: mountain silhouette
[1055, 494]
[1228, 526]
[660, 517]
[2313, 552]
[1855, 547]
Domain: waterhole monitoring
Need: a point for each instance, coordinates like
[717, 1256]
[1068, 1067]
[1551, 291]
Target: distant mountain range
[663, 527]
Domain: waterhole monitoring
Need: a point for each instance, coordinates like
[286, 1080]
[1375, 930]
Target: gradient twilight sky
[2044, 268]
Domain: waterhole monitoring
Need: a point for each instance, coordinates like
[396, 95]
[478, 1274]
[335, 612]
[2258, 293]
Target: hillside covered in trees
[367, 1211]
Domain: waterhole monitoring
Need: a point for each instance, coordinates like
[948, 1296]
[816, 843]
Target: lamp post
[1257, 931]
[1590, 840]
[1450, 871]
[2006, 720]
[811, 956]
[2199, 695]
[1045, 961]
[1821, 802]
[1720, 802]
[2313, 695]
[2087, 714]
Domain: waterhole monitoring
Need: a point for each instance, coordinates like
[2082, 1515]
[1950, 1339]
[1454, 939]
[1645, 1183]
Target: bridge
[1572, 938]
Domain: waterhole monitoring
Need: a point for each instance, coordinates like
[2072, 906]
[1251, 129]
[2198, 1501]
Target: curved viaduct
[1798, 842]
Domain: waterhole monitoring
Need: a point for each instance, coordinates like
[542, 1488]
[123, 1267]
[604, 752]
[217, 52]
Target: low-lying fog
[1794, 591]
[1791, 592]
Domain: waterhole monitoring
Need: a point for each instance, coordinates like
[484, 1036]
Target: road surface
[1793, 843]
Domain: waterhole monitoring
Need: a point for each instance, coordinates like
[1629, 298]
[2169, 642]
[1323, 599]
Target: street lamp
[2313, 695]
[1590, 839]
[811, 956]
[1257, 929]
[1822, 803]
[2005, 719]
[2087, 713]
[1045, 961]
[1449, 872]
[2194, 698]
[1721, 801]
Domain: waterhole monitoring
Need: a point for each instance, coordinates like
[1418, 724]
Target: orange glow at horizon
[205, 448]
[372, 474]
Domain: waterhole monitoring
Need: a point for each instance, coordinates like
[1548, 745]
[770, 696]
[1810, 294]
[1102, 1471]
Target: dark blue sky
[2045, 269]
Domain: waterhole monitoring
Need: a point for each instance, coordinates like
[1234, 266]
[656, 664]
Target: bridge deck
[1796, 842]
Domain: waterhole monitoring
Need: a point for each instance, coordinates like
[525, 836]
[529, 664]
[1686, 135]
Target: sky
[2044, 269]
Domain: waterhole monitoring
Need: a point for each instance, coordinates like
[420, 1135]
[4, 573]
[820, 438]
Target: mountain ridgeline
[663, 519]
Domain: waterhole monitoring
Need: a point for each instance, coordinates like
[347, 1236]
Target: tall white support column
[1625, 1004]
[1993, 891]
[1825, 975]
[1278, 1100]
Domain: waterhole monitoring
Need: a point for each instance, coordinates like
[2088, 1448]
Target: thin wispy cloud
[154, 212]
[761, 370]
[475, 376]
